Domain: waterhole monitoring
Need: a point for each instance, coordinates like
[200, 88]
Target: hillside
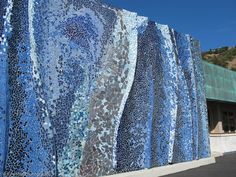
[224, 56]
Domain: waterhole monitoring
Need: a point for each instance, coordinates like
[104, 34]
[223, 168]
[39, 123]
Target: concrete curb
[166, 170]
[217, 154]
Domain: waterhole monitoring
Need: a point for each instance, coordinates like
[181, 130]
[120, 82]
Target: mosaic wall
[90, 90]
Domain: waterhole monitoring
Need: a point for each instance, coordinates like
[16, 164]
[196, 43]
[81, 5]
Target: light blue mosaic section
[5, 31]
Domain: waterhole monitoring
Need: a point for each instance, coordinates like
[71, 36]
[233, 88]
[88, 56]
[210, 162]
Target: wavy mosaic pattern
[90, 90]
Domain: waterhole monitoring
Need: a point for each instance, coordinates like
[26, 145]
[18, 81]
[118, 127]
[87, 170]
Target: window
[228, 121]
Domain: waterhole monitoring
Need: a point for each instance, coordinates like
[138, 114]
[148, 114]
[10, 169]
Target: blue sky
[213, 22]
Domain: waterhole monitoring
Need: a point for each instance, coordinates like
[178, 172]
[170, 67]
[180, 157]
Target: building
[221, 104]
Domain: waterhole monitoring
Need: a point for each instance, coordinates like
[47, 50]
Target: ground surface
[224, 167]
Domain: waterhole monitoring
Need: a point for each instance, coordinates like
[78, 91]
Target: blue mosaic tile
[134, 133]
[183, 145]
[203, 135]
[92, 90]
[5, 31]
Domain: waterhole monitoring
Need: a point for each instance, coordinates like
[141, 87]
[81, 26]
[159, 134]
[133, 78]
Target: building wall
[221, 104]
[220, 83]
[94, 90]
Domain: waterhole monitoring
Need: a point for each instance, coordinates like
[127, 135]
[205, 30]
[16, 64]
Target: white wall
[223, 142]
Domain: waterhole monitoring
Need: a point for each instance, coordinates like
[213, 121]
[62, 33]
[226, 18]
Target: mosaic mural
[90, 90]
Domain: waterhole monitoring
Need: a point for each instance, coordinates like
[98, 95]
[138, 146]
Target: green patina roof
[220, 83]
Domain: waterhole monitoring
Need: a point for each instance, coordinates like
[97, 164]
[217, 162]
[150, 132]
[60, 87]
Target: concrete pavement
[225, 166]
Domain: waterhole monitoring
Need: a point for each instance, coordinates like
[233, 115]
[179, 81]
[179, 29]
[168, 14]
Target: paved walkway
[225, 166]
